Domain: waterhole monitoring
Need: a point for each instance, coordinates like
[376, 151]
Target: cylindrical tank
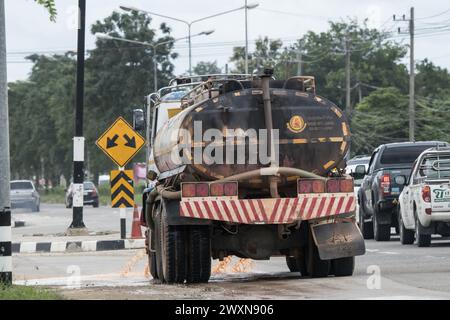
[313, 134]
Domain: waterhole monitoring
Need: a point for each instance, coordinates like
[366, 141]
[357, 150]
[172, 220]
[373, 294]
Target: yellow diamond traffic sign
[120, 142]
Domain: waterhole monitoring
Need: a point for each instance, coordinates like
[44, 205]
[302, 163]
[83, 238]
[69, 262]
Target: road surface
[406, 272]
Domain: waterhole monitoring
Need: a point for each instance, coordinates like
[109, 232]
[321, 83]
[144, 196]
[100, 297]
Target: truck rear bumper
[268, 211]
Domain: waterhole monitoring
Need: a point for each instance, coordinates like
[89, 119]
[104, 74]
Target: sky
[30, 31]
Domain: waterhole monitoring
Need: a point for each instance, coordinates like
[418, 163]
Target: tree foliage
[118, 77]
[204, 67]
[50, 6]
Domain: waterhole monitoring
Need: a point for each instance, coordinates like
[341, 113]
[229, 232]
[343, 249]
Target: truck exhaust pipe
[265, 83]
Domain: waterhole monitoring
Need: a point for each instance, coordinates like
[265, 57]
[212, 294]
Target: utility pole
[348, 102]
[77, 227]
[412, 76]
[246, 37]
[299, 60]
[412, 111]
[5, 203]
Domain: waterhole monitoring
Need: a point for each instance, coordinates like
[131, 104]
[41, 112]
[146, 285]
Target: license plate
[441, 194]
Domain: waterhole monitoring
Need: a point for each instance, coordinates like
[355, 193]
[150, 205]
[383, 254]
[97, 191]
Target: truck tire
[343, 267]
[292, 264]
[422, 239]
[381, 232]
[152, 265]
[158, 245]
[365, 227]
[406, 235]
[173, 251]
[316, 267]
[199, 254]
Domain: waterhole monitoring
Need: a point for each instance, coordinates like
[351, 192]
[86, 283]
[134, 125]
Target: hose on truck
[270, 171]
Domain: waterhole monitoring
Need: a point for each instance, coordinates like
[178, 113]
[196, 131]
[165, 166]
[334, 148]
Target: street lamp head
[252, 5]
[207, 32]
[102, 36]
[125, 8]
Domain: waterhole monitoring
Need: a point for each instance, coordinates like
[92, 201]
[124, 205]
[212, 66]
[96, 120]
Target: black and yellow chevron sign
[122, 189]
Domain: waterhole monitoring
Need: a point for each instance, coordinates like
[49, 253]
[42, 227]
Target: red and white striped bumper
[269, 211]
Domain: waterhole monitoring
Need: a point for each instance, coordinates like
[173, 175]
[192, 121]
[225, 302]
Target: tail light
[195, 189]
[346, 185]
[385, 184]
[189, 190]
[94, 192]
[428, 211]
[339, 185]
[228, 189]
[426, 194]
[311, 186]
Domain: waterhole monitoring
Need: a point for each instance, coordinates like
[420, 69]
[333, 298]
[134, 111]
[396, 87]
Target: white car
[425, 200]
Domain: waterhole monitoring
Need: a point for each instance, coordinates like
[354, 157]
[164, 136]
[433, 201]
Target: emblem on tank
[296, 124]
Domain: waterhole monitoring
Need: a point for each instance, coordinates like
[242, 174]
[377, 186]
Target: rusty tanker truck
[247, 166]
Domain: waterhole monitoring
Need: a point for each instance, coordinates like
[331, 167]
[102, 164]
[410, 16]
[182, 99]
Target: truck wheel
[343, 267]
[173, 251]
[381, 232]
[152, 264]
[301, 263]
[422, 240]
[292, 264]
[158, 246]
[365, 227]
[316, 267]
[199, 251]
[406, 235]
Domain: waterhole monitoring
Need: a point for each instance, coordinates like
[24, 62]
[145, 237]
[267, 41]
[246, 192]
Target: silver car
[24, 195]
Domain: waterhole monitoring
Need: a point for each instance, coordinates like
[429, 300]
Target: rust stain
[132, 263]
[222, 266]
[243, 265]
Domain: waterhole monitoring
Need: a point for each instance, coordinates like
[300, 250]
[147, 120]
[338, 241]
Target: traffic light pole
[77, 225]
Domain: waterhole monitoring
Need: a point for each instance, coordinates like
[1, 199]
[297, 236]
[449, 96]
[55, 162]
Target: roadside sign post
[122, 194]
[121, 143]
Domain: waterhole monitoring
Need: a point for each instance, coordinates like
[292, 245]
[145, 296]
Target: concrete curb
[77, 246]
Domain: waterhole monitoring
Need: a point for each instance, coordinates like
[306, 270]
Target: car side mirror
[138, 120]
[400, 180]
[360, 172]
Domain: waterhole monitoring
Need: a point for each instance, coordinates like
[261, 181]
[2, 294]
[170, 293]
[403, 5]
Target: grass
[57, 195]
[26, 293]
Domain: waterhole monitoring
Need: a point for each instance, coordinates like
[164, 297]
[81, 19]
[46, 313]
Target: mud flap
[338, 240]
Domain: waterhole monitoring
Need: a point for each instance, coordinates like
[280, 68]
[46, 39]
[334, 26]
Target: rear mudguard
[338, 240]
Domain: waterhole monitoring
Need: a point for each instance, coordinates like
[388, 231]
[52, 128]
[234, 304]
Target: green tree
[41, 125]
[431, 80]
[374, 60]
[50, 6]
[381, 117]
[120, 75]
[204, 67]
[266, 55]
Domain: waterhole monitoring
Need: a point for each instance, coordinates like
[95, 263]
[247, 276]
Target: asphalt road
[55, 218]
[406, 272]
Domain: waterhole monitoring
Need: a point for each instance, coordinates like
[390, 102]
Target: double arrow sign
[120, 142]
[122, 189]
[130, 142]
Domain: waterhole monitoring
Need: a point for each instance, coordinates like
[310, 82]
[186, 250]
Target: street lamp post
[190, 23]
[153, 46]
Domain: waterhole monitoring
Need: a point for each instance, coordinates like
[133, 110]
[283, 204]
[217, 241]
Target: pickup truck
[379, 191]
[424, 204]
